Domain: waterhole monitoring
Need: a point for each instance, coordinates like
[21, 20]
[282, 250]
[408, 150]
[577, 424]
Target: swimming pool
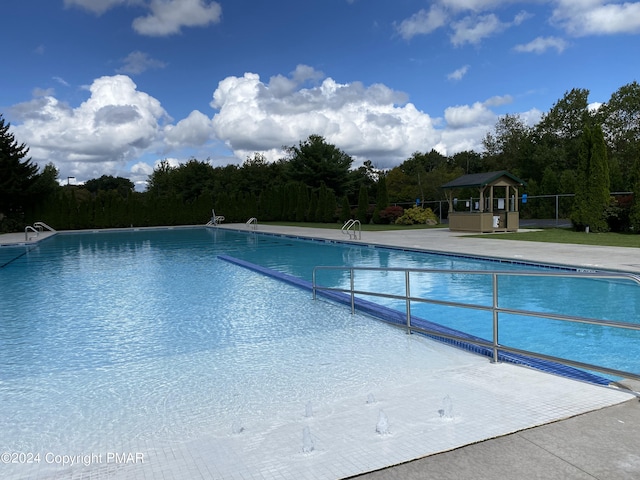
[141, 341]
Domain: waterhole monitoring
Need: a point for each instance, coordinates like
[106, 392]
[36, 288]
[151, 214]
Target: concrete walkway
[602, 445]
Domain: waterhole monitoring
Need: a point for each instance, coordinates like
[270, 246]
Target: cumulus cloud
[167, 17]
[542, 44]
[118, 125]
[195, 130]
[469, 115]
[597, 17]
[114, 125]
[139, 62]
[373, 122]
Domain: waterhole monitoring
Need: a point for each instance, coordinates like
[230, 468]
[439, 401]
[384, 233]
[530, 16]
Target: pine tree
[345, 211]
[17, 174]
[634, 214]
[592, 189]
[382, 199]
[363, 204]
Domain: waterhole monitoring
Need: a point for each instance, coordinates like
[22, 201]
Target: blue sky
[114, 86]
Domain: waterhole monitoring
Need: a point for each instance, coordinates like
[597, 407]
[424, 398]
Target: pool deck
[601, 444]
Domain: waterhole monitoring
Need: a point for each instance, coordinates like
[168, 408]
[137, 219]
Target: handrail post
[353, 295]
[407, 290]
[313, 282]
[495, 317]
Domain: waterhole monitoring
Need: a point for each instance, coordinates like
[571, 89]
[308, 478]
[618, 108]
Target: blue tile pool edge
[399, 319]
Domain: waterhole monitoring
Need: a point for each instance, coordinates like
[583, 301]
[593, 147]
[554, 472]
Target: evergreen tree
[634, 214]
[345, 211]
[382, 199]
[315, 161]
[363, 204]
[313, 207]
[592, 189]
[17, 175]
[302, 207]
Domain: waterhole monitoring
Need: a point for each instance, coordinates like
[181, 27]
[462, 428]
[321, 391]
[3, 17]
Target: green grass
[368, 227]
[552, 235]
[562, 235]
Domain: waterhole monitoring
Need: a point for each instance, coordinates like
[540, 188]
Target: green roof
[481, 179]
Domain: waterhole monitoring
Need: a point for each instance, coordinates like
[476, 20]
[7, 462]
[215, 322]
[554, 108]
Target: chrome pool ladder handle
[28, 229]
[215, 219]
[40, 226]
[252, 223]
[353, 228]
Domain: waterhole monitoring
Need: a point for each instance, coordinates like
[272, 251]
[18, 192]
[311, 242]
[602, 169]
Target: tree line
[574, 149]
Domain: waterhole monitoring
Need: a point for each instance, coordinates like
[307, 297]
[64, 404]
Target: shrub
[418, 215]
[390, 214]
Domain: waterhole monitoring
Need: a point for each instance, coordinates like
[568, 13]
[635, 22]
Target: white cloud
[473, 5]
[114, 125]
[469, 115]
[195, 130]
[541, 45]
[597, 17]
[422, 23]
[459, 73]
[372, 122]
[167, 17]
[498, 100]
[474, 29]
[100, 6]
[138, 62]
[119, 128]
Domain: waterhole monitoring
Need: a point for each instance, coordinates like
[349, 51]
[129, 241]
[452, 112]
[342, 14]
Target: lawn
[563, 235]
[552, 235]
[367, 227]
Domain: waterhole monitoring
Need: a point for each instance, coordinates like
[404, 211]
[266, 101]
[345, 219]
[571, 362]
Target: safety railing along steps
[496, 348]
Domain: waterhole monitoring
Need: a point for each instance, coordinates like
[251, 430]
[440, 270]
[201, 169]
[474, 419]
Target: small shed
[495, 209]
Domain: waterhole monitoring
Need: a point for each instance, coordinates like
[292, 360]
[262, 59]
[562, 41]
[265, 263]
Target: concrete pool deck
[600, 444]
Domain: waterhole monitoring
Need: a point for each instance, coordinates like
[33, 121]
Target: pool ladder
[252, 223]
[37, 228]
[353, 228]
[215, 219]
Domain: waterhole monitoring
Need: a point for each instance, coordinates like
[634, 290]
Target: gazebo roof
[481, 180]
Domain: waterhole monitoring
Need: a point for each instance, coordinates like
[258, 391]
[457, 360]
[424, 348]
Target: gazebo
[494, 210]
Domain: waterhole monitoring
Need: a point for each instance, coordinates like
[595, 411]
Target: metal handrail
[495, 309]
[215, 219]
[253, 223]
[28, 229]
[41, 226]
[349, 228]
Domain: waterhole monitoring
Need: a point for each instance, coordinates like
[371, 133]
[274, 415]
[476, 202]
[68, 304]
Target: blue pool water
[130, 335]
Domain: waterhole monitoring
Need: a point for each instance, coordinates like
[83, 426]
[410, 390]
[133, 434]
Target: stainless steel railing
[353, 228]
[494, 308]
